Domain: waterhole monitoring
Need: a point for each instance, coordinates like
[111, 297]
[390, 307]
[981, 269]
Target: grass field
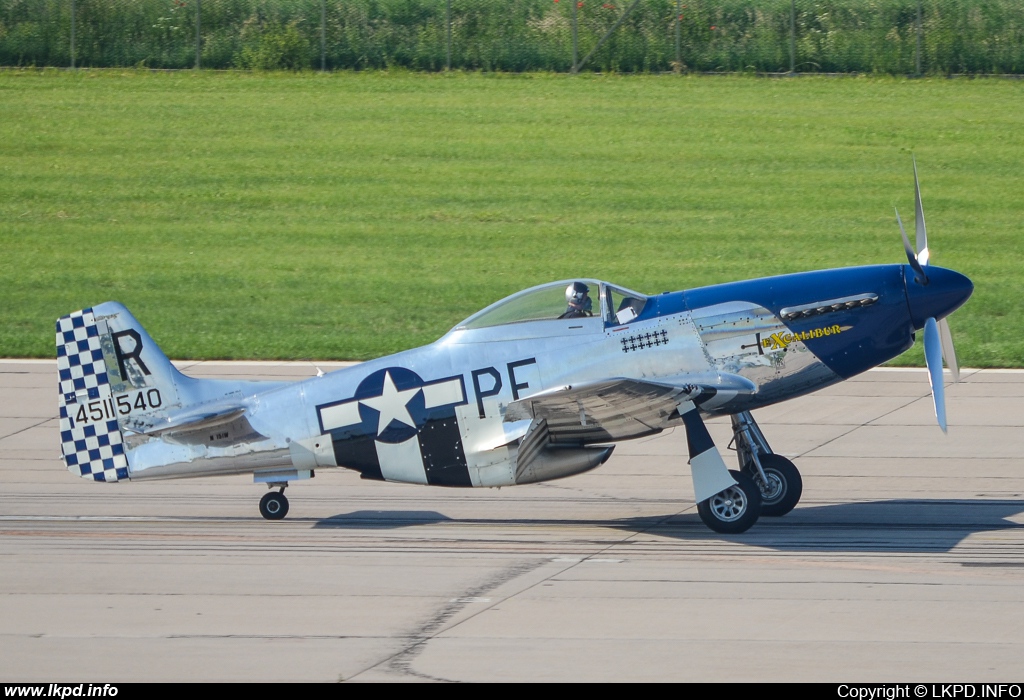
[350, 215]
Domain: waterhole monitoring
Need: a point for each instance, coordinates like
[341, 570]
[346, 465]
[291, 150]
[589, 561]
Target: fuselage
[436, 414]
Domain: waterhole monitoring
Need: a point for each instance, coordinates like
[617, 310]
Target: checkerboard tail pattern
[90, 440]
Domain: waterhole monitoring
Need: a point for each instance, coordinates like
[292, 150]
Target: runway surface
[904, 561]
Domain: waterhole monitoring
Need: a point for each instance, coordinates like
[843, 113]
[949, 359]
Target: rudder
[92, 444]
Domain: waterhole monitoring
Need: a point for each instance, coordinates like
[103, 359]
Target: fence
[876, 36]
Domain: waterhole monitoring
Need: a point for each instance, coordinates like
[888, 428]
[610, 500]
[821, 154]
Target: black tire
[784, 489]
[273, 506]
[735, 509]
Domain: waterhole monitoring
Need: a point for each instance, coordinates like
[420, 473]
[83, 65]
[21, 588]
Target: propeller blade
[948, 352]
[922, 234]
[933, 358]
[911, 256]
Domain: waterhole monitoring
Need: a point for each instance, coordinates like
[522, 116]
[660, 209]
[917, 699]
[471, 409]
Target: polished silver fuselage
[497, 366]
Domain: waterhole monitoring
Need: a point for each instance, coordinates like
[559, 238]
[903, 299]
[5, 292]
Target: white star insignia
[392, 404]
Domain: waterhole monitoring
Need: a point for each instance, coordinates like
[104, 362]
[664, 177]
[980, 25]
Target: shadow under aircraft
[900, 526]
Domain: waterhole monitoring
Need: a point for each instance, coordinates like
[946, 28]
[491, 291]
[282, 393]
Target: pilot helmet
[575, 293]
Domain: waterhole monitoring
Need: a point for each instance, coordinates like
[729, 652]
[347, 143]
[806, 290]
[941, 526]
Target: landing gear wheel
[782, 492]
[274, 506]
[733, 510]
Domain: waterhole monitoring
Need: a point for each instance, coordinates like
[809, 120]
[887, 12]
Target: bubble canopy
[547, 302]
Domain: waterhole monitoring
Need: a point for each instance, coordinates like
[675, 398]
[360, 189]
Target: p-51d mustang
[532, 388]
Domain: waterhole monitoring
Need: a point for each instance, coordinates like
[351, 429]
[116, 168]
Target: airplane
[537, 386]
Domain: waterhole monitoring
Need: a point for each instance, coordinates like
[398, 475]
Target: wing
[619, 409]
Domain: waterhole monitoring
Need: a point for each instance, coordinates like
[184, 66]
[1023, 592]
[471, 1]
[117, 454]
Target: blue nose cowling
[945, 292]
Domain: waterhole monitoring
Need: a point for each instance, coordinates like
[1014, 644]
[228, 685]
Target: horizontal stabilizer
[228, 427]
[185, 422]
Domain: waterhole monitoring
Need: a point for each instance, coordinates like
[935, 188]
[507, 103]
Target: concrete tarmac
[903, 562]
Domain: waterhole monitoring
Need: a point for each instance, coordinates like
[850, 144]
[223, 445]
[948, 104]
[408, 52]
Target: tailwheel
[784, 486]
[733, 510]
[274, 505]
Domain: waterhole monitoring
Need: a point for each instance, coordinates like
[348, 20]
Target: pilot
[577, 296]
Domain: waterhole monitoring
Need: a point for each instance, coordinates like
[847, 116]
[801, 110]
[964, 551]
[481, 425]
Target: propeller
[938, 341]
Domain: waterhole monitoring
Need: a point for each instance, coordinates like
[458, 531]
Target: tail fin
[111, 374]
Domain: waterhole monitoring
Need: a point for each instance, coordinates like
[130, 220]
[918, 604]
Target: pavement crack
[401, 662]
[862, 425]
[28, 427]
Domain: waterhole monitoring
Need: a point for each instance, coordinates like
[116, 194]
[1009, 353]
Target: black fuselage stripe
[444, 459]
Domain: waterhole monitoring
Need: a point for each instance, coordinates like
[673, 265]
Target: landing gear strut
[775, 476]
[274, 505]
[727, 501]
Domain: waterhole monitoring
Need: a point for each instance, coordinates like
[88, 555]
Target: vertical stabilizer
[112, 374]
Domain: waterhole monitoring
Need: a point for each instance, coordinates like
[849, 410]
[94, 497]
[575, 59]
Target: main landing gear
[766, 483]
[734, 510]
[274, 504]
[777, 479]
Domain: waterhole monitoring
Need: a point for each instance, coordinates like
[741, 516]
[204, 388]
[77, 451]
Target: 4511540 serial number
[113, 407]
